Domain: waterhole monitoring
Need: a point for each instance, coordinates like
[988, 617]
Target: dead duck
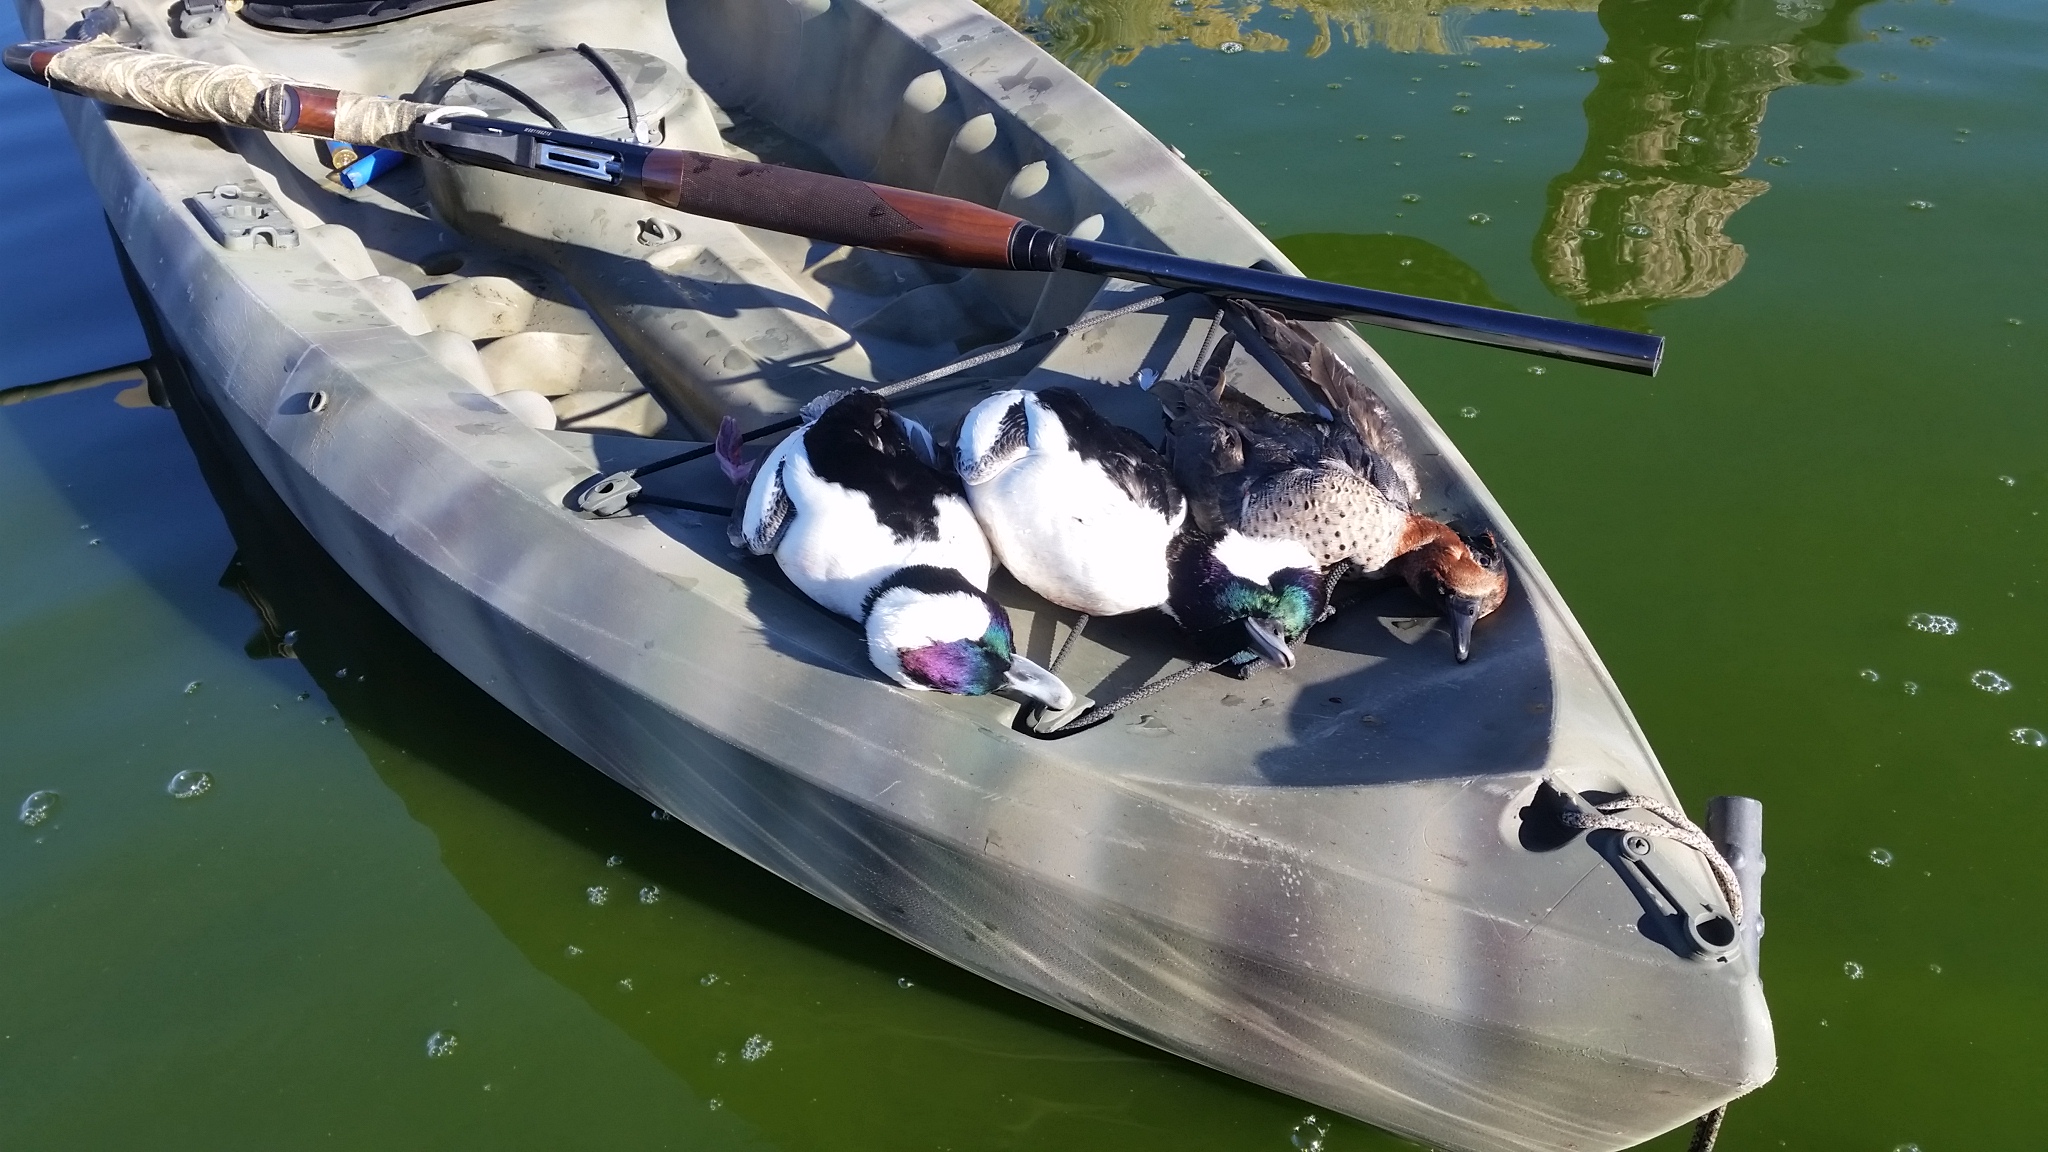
[1080, 510]
[858, 515]
[1337, 483]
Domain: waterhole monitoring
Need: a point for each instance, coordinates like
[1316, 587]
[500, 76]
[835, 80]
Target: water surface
[1832, 209]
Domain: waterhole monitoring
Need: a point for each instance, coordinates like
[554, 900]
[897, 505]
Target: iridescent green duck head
[1245, 598]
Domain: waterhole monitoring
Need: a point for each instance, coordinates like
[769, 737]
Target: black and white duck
[1327, 493]
[1080, 510]
[861, 518]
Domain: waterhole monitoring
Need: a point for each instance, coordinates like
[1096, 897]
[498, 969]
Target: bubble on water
[2007, 481]
[1694, 114]
[1361, 136]
[1882, 857]
[1869, 674]
[715, 1103]
[2029, 737]
[1591, 233]
[650, 894]
[708, 979]
[1637, 230]
[1309, 1133]
[1852, 970]
[93, 543]
[1907, 1147]
[1603, 59]
[1776, 161]
[189, 784]
[598, 893]
[193, 687]
[1614, 176]
[1460, 109]
[626, 985]
[1397, 136]
[1405, 262]
[303, 696]
[2014, 321]
[1688, 16]
[1667, 67]
[1537, 369]
[440, 1044]
[1919, 205]
[1934, 968]
[1468, 63]
[1929, 622]
[1511, 119]
[572, 951]
[1479, 218]
[756, 1047]
[39, 806]
[1230, 47]
[614, 861]
[1411, 198]
[341, 674]
[1989, 681]
[719, 1058]
[1468, 412]
[1333, 85]
[904, 982]
[658, 814]
[1912, 689]
[1468, 155]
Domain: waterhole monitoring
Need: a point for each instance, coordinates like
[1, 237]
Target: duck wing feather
[1379, 452]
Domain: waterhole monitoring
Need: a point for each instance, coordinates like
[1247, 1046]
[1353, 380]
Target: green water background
[1849, 431]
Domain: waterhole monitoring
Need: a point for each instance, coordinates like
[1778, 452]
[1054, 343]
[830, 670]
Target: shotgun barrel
[836, 209]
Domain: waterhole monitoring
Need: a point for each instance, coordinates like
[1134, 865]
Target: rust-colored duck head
[1465, 576]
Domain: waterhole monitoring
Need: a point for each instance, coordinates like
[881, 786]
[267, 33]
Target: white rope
[1677, 827]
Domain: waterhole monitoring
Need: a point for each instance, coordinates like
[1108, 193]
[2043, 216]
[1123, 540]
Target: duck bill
[1037, 685]
[1267, 642]
[1462, 620]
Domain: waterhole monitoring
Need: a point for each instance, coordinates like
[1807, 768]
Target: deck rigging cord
[1677, 827]
[506, 87]
[618, 86]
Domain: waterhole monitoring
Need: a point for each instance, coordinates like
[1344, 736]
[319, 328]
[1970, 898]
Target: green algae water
[275, 877]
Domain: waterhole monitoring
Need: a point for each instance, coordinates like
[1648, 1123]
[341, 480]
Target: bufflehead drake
[859, 516]
[1080, 510]
[1339, 488]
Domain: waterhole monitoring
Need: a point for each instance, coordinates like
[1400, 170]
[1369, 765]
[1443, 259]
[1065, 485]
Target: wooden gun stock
[843, 211]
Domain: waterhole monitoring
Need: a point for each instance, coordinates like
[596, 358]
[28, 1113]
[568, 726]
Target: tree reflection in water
[1092, 36]
[1671, 126]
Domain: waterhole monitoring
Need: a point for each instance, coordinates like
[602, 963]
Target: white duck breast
[1078, 509]
[841, 516]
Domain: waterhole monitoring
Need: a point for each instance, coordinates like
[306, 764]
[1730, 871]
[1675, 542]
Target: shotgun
[834, 209]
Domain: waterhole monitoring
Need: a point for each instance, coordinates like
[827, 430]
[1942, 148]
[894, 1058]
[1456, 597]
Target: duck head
[1465, 576]
[1245, 597]
[931, 629]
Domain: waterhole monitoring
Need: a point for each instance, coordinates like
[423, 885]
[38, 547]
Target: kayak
[1457, 900]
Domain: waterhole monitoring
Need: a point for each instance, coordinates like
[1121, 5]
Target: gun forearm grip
[844, 211]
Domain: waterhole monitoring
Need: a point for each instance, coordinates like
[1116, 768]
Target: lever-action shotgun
[835, 209]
